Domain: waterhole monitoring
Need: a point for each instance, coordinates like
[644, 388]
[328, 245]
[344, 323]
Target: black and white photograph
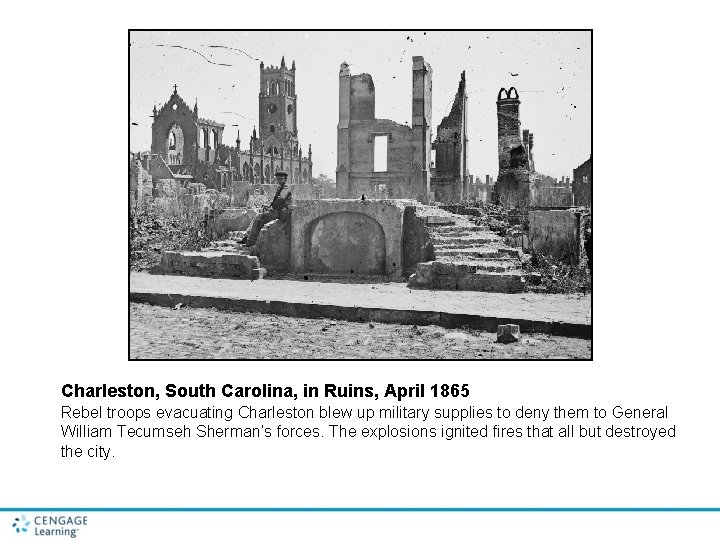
[400, 194]
[360, 271]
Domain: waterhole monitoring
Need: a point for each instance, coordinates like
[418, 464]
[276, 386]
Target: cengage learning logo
[21, 524]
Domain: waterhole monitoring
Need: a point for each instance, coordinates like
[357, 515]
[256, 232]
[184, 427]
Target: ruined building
[450, 180]
[188, 148]
[278, 109]
[582, 183]
[187, 144]
[378, 156]
[514, 181]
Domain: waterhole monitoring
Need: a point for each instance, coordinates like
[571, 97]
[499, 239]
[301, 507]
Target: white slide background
[65, 317]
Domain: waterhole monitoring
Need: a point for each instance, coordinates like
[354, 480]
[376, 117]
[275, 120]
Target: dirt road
[158, 332]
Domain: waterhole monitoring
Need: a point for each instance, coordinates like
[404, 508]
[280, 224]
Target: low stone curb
[364, 314]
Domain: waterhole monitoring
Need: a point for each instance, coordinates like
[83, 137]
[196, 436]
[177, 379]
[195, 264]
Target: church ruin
[188, 148]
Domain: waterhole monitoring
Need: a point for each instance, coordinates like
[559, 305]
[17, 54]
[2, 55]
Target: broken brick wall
[513, 186]
[450, 181]
[407, 146]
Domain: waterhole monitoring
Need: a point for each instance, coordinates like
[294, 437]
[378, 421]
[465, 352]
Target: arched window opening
[174, 146]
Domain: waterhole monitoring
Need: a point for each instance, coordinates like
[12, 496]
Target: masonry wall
[408, 147]
[417, 246]
[300, 192]
[348, 237]
[552, 196]
[450, 181]
[555, 232]
[166, 117]
[513, 186]
[273, 246]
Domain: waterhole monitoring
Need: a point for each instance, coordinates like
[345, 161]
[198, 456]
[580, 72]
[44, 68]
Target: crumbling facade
[514, 181]
[187, 144]
[192, 149]
[450, 181]
[379, 156]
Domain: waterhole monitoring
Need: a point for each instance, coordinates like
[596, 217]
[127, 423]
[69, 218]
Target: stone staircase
[468, 256]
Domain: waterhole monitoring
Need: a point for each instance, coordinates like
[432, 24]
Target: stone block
[508, 333]
[439, 220]
[233, 219]
[273, 245]
[211, 264]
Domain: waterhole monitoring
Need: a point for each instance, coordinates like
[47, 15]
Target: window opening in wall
[380, 191]
[380, 153]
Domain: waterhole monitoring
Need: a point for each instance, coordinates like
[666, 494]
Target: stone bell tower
[278, 109]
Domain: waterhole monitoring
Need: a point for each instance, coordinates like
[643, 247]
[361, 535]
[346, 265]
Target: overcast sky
[553, 79]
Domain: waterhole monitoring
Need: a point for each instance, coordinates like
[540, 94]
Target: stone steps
[236, 235]
[223, 245]
[468, 256]
[458, 230]
[474, 240]
[461, 277]
[499, 266]
[482, 252]
[440, 219]
[449, 230]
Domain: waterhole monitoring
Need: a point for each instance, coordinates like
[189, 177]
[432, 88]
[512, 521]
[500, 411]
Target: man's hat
[281, 176]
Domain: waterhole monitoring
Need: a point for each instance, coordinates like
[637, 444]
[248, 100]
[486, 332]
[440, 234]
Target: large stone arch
[340, 235]
[345, 243]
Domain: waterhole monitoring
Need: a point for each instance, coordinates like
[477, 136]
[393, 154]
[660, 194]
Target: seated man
[278, 209]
